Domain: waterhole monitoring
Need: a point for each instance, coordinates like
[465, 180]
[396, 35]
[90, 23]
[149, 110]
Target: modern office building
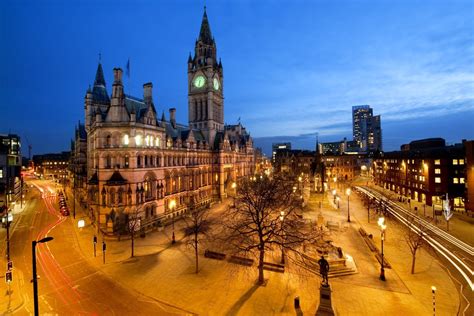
[366, 128]
[10, 169]
[276, 147]
[157, 168]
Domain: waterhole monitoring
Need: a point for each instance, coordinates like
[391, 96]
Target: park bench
[275, 267]
[241, 260]
[214, 255]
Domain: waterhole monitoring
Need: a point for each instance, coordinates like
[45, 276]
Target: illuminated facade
[140, 163]
[366, 128]
[425, 171]
[52, 166]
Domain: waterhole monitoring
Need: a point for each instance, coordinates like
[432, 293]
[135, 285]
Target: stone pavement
[165, 272]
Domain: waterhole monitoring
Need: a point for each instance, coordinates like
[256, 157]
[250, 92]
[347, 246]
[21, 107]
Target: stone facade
[138, 163]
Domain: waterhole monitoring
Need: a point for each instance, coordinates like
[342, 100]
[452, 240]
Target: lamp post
[172, 207]
[9, 219]
[234, 187]
[282, 217]
[334, 195]
[433, 291]
[381, 223]
[348, 193]
[35, 278]
[338, 199]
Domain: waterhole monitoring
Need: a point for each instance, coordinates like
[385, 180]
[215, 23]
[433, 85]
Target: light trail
[453, 258]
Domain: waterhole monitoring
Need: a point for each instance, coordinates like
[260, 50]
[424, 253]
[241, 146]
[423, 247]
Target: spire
[163, 119]
[205, 34]
[99, 76]
[190, 59]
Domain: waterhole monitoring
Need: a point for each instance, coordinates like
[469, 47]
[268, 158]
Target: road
[69, 284]
[456, 255]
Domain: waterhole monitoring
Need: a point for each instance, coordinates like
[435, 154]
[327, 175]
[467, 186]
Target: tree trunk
[133, 242]
[196, 252]
[413, 263]
[260, 266]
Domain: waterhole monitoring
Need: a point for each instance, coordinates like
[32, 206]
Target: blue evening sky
[291, 68]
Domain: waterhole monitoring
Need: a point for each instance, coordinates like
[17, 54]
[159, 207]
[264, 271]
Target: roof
[135, 105]
[205, 34]
[116, 179]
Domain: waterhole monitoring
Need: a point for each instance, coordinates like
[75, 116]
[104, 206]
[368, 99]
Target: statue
[324, 269]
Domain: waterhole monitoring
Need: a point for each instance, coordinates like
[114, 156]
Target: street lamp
[381, 223]
[172, 207]
[433, 291]
[348, 193]
[282, 217]
[334, 195]
[338, 199]
[234, 187]
[35, 279]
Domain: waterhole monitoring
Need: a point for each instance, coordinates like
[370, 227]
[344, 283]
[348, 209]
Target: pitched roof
[116, 179]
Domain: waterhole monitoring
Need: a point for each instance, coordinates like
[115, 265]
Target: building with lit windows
[278, 147]
[10, 169]
[366, 128]
[140, 163]
[427, 170]
[52, 166]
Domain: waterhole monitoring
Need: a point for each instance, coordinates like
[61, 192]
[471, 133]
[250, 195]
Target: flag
[127, 69]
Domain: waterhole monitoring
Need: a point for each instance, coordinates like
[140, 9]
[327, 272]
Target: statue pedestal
[325, 305]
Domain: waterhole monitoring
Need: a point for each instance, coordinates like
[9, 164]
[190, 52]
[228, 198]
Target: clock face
[199, 81]
[216, 84]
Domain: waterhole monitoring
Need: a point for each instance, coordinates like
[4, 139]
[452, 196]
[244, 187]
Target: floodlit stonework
[138, 162]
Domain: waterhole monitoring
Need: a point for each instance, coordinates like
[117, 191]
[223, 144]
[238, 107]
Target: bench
[379, 259]
[214, 255]
[362, 232]
[241, 260]
[275, 267]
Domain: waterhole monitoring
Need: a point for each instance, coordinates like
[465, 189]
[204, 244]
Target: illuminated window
[455, 180]
[126, 141]
[437, 162]
[437, 171]
[437, 180]
[147, 140]
[455, 161]
[461, 180]
[157, 142]
[461, 161]
[1, 173]
[138, 140]
[152, 141]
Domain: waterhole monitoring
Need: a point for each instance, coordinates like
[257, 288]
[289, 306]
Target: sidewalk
[165, 272]
[461, 226]
[11, 298]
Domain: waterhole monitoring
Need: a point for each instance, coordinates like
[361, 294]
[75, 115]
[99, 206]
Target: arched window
[125, 140]
[139, 161]
[126, 161]
[108, 162]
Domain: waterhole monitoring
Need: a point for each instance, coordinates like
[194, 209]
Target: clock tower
[205, 85]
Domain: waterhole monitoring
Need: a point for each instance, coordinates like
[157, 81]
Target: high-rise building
[366, 128]
[10, 169]
[154, 168]
[276, 147]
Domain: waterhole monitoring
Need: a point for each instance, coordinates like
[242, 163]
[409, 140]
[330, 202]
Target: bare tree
[266, 218]
[415, 238]
[197, 227]
[368, 201]
[134, 223]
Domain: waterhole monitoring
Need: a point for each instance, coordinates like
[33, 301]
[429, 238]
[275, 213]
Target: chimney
[173, 117]
[147, 92]
[117, 86]
[117, 75]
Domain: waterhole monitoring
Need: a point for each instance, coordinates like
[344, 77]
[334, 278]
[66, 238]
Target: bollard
[297, 302]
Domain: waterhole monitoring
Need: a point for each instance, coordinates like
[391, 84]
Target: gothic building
[142, 164]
